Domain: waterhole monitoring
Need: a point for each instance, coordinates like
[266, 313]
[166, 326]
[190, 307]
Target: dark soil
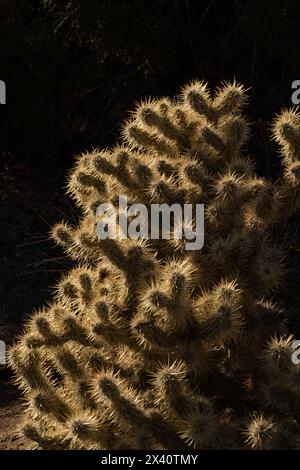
[11, 407]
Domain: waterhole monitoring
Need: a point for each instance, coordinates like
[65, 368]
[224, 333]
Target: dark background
[73, 70]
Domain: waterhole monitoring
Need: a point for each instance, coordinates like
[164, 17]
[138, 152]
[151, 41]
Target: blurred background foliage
[74, 68]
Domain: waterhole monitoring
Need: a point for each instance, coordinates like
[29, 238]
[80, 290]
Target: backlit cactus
[148, 345]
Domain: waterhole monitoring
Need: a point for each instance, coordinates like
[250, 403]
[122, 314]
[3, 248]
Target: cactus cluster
[148, 345]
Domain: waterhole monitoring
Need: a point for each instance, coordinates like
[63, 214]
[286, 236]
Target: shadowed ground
[10, 415]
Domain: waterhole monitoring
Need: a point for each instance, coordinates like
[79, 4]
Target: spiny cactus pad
[148, 345]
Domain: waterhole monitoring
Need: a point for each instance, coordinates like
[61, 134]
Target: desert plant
[148, 345]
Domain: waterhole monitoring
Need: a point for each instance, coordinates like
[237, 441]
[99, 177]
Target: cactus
[146, 344]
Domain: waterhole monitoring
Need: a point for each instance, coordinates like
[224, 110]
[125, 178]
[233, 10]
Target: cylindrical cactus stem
[172, 394]
[262, 433]
[50, 442]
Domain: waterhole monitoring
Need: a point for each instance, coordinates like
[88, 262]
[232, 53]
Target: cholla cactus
[148, 345]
